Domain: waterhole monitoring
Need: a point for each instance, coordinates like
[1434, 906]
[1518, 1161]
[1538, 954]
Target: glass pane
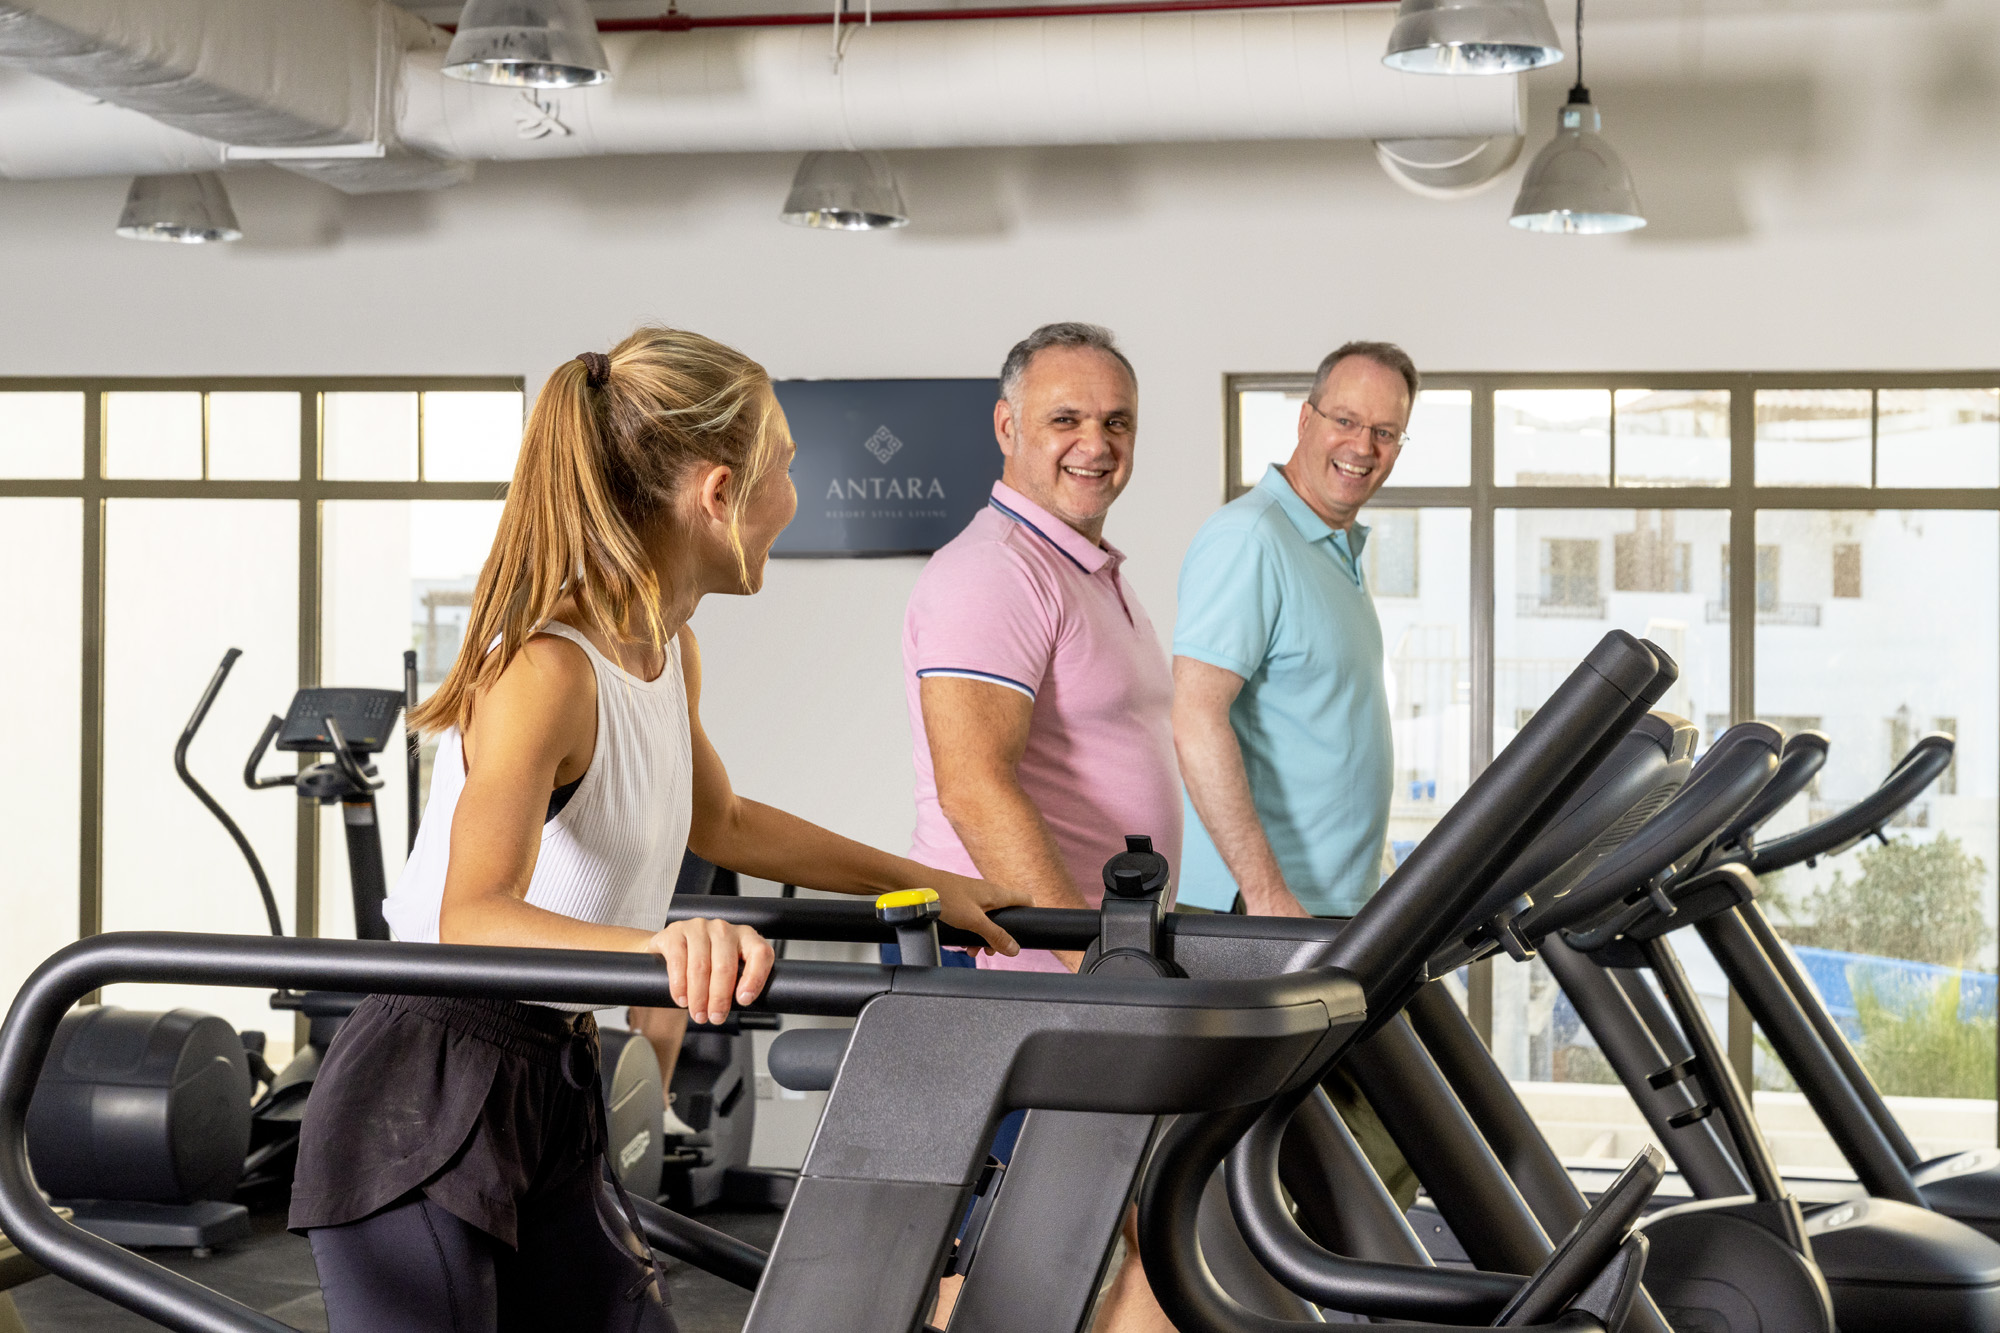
[1673, 437]
[471, 436]
[1938, 437]
[1267, 425]
[184, 580]
[41, 435]
[369, 437]
[152, 435]
[41, 554]
[1898, 938]
[1564, 577]
[1552, 437]
[1812, 437]
[253, 436]
[399, 574]
[1418, 564]
[1439, 452]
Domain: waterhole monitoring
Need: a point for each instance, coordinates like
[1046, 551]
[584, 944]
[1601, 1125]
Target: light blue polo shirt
[1272, 593]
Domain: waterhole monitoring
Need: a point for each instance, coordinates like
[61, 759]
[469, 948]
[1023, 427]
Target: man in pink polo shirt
[1041, 702]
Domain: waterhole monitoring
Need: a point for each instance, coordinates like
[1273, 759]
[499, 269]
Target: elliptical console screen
[367, 718]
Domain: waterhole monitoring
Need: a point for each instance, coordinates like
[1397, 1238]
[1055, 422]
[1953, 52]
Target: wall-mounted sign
[887, 467]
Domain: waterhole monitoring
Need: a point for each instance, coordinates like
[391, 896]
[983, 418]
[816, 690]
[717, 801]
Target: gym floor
[273, 1272]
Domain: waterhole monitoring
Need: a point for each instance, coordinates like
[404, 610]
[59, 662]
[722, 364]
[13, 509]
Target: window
[1391, 554]
[1648, 559]
[1569, 575]
[1897, 933]
[1552, 437]
[1814, 437]
[1672, 437]
[1847, 569]
[257, 515]
[1784, 474]
[1767, 584]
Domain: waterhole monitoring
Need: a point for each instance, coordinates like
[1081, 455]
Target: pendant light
[1472, 37]
[845, 192]
[1578, 184]
[527, 44]
[192, 209]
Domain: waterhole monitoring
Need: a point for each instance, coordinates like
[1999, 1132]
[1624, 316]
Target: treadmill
[894, 1161]
[1964, 1185]
[1886, 1260]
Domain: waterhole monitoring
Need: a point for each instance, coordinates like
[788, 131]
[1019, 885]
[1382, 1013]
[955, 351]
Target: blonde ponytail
[602, 461]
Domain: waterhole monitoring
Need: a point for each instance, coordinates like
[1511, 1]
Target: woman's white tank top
[612, 854]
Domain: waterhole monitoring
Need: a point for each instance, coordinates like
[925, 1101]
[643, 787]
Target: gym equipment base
[182, 1226]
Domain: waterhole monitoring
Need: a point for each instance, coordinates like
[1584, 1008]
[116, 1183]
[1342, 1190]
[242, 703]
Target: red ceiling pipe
[674, 21]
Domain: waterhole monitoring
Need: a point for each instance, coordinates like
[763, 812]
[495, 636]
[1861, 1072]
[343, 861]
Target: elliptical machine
[353, 726]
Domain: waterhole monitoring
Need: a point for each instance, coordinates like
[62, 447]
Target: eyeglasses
[1349, 428]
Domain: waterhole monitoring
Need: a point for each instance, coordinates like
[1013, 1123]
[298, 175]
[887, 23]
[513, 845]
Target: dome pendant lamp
[527, 44]
[192, 209]
[845, 192]
[1578, 185]
[1472, 37]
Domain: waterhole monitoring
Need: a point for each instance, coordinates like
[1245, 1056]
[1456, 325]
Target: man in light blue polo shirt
[1281, 716]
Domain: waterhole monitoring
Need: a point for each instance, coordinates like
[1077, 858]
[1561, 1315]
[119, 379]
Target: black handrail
[1799, 763]
[178, 1302]
[1929, 757]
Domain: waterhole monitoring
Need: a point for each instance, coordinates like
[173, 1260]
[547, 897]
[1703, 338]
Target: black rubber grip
[806, 1059]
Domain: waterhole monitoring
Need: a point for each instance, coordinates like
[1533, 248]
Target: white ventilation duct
[1129, 78]
[349, 91]
[48, 132]
[309, 84]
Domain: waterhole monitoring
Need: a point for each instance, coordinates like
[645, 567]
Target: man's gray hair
[1386, 355]
[1066, 334]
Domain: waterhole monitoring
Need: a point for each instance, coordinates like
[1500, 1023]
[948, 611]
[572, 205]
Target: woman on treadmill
[451, 1172]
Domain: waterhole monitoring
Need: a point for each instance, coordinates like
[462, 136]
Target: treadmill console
[367, 718]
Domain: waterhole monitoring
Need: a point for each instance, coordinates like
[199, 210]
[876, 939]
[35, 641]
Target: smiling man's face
[1349, 439]
[1069, 444]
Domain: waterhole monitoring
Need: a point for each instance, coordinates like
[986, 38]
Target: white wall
[1823, 191]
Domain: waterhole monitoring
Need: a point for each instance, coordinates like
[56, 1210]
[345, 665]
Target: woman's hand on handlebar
[703, 959]
[964, 903]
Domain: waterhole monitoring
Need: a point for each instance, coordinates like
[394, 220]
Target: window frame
[309, 490]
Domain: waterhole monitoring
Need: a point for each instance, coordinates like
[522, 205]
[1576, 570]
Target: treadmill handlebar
[1799, 763]
[1722, 785]
[1928, 758]
[1505, 808]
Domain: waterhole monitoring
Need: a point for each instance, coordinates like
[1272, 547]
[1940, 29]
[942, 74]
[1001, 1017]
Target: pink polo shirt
[1023, 600]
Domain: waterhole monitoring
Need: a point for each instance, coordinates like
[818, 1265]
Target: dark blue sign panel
[887, 467]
